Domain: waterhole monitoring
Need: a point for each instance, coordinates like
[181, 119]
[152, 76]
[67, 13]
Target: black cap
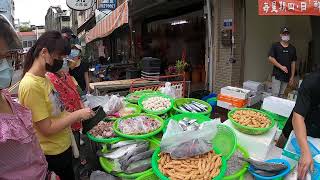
[69, 32]
[284, 30]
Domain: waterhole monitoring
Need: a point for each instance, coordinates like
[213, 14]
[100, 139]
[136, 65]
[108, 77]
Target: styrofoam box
[290, 152]
[254, 99]
[257, 145]
[282, 107]
[253, 86]
[235, 92]
[226, 105]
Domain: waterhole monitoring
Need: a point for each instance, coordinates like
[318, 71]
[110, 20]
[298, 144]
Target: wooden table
[120, 86]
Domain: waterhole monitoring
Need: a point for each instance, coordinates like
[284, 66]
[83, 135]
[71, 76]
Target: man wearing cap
[282, 56]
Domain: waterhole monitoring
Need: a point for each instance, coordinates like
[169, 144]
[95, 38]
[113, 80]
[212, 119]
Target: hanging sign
[80, 5]
[107, 5]
[289, 7]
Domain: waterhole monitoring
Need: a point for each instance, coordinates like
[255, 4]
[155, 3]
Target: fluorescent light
[179, 22]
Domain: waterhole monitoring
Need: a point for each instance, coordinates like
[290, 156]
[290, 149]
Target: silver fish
[139, 166]
[117, 153]
[138, 157]
[265, 166]
[124, 143]
[141, 148]
[265, 173]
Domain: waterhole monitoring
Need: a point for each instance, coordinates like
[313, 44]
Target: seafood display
[103, 130]
[156, 103]
[251, 118]
[189, 124]
[131, 156]
[205, 166]
[193, 107]
[138, 125]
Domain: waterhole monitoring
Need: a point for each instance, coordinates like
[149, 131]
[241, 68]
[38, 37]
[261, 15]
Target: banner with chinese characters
[289, 7]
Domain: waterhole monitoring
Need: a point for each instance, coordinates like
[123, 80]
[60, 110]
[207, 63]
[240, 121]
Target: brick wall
[224, 72]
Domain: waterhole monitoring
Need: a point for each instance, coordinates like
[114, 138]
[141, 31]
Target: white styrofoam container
[227, 105]
[257, 145]
[253, 86]
[235, 92]
[224, 105]
[254, 99]
[282, 107]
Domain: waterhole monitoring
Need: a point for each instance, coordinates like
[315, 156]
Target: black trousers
[61, 164]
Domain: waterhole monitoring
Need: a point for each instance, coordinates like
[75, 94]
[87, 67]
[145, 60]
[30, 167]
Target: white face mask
[6, 73]
[65, 66]
[285, 38]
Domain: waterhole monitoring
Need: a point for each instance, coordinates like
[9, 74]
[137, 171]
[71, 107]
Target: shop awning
[289, 7]
[106, 26]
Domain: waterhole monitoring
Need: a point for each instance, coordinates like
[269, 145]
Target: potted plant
[181, 66]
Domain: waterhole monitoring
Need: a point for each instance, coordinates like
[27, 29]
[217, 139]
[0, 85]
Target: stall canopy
[289, 7]
[106, 26]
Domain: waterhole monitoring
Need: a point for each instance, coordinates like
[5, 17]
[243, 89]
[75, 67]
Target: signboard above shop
[106, 5]
[80, 5]
[289, 7]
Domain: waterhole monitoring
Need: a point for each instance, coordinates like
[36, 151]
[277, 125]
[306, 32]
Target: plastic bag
[168, 90]
[95, 101]
[182, 144]
[113, 105]
[138, 125]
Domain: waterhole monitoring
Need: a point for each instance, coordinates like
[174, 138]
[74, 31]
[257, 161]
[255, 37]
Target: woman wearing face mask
[79, 70]
[50, 120]
[21, 155]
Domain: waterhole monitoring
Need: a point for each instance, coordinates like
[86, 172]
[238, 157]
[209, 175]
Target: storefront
[173, 32]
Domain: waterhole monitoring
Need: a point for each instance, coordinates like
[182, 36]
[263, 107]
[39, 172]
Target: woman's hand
[305, 164]
[85, 114]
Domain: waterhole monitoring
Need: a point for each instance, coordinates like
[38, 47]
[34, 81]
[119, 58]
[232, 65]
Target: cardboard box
[282, 107]
[235, 92]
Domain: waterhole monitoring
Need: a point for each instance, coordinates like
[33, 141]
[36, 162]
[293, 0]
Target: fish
[138, 157]
[120, 152]
[201, 106]
[183, 109]
[141, 148]
[265, 166]
[123, 143]
[139, 166]
[265, 173]
[195, 107]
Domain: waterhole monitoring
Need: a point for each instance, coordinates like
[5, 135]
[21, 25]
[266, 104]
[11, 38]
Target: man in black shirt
[282, 56]
[305, 119]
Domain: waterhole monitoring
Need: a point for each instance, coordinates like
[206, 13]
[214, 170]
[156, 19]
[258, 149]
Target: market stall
[155, 134]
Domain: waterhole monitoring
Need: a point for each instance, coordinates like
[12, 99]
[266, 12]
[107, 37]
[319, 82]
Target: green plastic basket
[155, 166]
[108, 165]
[142, 136]
[139, 93]
[200, 118]
[225, 140]
[239, 174]
[145, 97]
[182, 101]
[148, 176]
[103, 140]
[281, 121]
[129, 105]
[250, 130]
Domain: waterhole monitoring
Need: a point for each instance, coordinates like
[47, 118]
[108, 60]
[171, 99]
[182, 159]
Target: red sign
[289, 7]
